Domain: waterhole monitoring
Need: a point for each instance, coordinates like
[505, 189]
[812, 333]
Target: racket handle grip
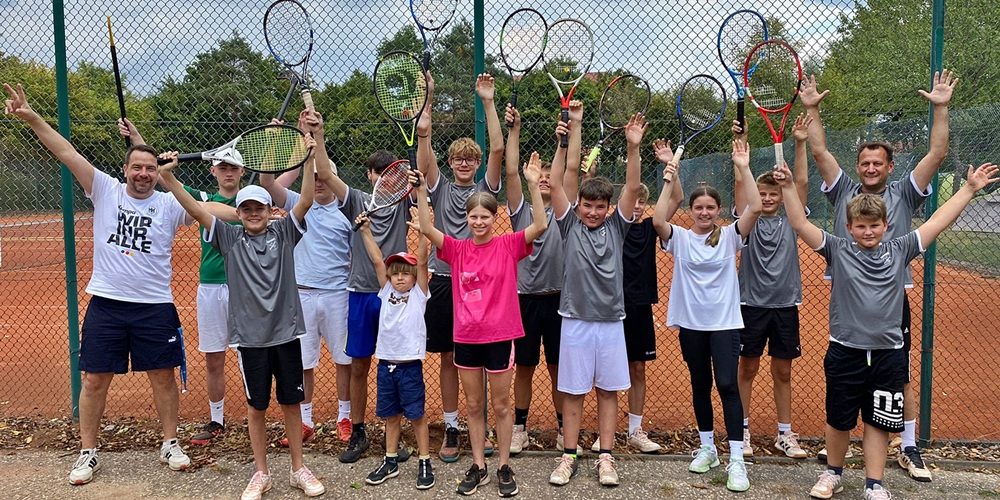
[411, 155]
[357, 225]
[591, 158]
[564, 140]
[181, 158]
[678, 154]
[426, 60]
[307, 99]
[741, 114]
[513, 104]
[779, 155]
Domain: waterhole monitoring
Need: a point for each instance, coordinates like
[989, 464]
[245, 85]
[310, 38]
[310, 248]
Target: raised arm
[170, 182]
[486, 89]
[427, 228]
[571, 181]
[741, 161]
[796, 211]
[286, 179]
[800, 132]
[939, 97]
[374, 252]
[277, 190]
[423, 275]
[128, 130]
[810, 98]
[539, 222]
[312, 123]
[977, 179]
[634, 131]
[739, 200]
[671, 195]
[426, 159]
[557, 191]
[17, 104]
[512, 157]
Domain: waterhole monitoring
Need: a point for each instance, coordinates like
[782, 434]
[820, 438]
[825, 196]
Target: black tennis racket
[569, 50]
[268, 149]
[401, 91]
[625, 96]
[739, 33]
[118, 79]
[289, 36]
[522, 42]
[431, 16]
[700, 105]
[392, 187]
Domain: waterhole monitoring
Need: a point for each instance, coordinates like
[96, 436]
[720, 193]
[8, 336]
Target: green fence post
[69, 232]
[479, 58]
[930, 257]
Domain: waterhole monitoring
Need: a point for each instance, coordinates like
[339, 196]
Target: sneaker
[344, 429]
[565, 470]
[209, 432]
[639, 439]
[259, 484]
[738, 480]
[402, 452]
[911, 460]
[304, 480]
[877, 492]
[747, 446]
[450, 447]
[705, 458]
[827, 484]
[606, 472]
[172, 455]
[307, 434]
[596, 447]
[789, 443]
[507, 486]
[560, 446]
[474, 478]
[821, 456]
[425, 474]
[355, 448]
[387, 469]
[519, 440]
[84, 468]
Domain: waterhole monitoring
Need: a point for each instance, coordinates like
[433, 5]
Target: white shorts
[213, 317]
[592, 354]
[325, 315]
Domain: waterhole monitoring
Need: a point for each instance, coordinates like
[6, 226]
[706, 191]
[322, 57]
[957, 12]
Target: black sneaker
[402, 452]
[450, 448]
[211, 430]
[355, 448]
[386, 470]
[425, 474]
[474, 478]
[507, 486]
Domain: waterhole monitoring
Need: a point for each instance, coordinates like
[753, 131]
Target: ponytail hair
[706, 190]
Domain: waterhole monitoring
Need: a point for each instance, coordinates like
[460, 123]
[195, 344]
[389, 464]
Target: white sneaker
[596, 447]
[705, 458]
[877, 492]
[519, 440]
[259, 484]
[172, 455]
[565, 470]
[561, 446]
[639, 439]
[84, 468]
[789, 443]
[827, 484]
[606, 471]
[304, 480]
[737, 480]
[747, 447]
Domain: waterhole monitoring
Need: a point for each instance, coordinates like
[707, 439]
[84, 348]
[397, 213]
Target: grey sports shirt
[769, 265]
[448, 200]
[592, 270]
[389, 229]
[542, 271]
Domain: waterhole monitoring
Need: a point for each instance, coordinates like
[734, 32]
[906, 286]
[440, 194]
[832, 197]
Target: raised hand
[809, 95]
[738, 131]
[562, 129]
[417, 181]
[800, 130]
[662, 151]
[311, 122]
[635, 129]
[167, 168]
[576, 111]
[741, 154]
[126, 128]
[414, 221]
[512, 116]
[941, 91]
[485, 87]
[783, 176]
[533, 169]
[17, 103]
[983, 176]
[669, 171]
[361, 221]
[310, 144]
[430, 85]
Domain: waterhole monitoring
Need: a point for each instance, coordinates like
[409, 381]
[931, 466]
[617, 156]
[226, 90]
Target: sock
[569, 451]
[836, 470]
[707, 438]
[216, 408]
[168, 442]
[746, 423]
[870, 483]
[634, 422]
[356, 428]
[521, 416]
[559, 420]
[424, 457]
[451, 419]
[343, 410]
[736, 450]
[307, 414]
[784, 428]
[391, 457]
[603, 451]
[909, 434]
[84, 451]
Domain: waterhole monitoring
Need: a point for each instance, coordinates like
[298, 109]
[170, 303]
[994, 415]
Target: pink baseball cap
[401, 256]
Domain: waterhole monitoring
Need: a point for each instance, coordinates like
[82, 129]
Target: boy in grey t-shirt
[865, 365]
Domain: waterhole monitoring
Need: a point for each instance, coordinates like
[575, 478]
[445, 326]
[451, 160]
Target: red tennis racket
[772, 74]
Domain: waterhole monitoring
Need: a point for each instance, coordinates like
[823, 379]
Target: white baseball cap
[228, 155]
[255, 193]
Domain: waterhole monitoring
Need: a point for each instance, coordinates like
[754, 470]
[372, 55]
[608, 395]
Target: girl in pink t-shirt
[487, 316]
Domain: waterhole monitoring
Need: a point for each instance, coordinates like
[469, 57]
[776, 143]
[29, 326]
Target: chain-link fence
[197, 73]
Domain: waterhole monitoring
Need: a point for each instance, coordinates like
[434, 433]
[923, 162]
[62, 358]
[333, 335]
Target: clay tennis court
[34, 361]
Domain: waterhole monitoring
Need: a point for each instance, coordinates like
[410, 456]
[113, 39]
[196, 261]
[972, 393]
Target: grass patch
[977, 249]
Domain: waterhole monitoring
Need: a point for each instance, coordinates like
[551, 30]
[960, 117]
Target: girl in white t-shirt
[705, 305]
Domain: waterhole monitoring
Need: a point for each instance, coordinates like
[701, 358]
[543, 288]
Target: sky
[663, 40]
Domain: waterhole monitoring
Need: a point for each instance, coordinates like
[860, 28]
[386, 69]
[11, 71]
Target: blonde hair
[866, 206]
[400, 266]
[465, 148]
[642, 192]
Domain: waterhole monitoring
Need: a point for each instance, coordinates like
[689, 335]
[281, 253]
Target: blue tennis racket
[700, 106]
[739, 34]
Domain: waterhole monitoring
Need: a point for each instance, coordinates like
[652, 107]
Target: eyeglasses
[466, 161]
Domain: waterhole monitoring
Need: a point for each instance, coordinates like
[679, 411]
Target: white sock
[634, 423]
[736, 451]
[343, 410]
[216, 408]
[909, 434]
[168, 442]
[307, 414]
[451, 419]
[707, 438]
[784, 428]
[746, 423]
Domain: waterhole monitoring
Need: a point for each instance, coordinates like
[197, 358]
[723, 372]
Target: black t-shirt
[639, 264]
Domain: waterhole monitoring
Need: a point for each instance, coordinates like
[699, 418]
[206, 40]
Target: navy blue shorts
[362, 323]
[115, 331]
[282, 363]
[400, 389]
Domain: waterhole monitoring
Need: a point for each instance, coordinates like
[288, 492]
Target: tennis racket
[569, 50]
[392, 187]
[773, 86]
[739, 33]
[700, 105]
[184, 363]
[522, 41]
[268, 149]
[431, 16]
[401, 92]
[625, 96]
[289, 36]
[118, 79]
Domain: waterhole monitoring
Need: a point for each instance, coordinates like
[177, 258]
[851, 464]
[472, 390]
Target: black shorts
[869, 381]
[115, 331]
[777, 327]
[439, 315]
[542, 324]
[495, 357]
[283, 362]
[640, 333]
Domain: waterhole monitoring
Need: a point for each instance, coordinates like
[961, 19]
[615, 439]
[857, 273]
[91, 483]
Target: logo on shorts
[172, 339]
[299, 388]
[888, 408]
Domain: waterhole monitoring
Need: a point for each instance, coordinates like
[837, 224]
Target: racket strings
[739, 36]
[568, 49]
[522, 40]
[702, 102]
[287, 31]
[272, 149]
[392, 185]
[624, 98]
[400, 86]
[433, 14]
[775, 82]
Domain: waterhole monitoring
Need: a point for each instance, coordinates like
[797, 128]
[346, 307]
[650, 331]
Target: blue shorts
[400, 388]
[362, 323]
[114, 331]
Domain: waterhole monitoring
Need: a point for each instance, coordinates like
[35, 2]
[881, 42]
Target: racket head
[432, 15]
[569, 50]
[774, 83]
[270, 148]
[522, 40]
[392, 186]
[700, 105]
[625, 96]
[739, 33]
[400, 86]
[288, 32]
